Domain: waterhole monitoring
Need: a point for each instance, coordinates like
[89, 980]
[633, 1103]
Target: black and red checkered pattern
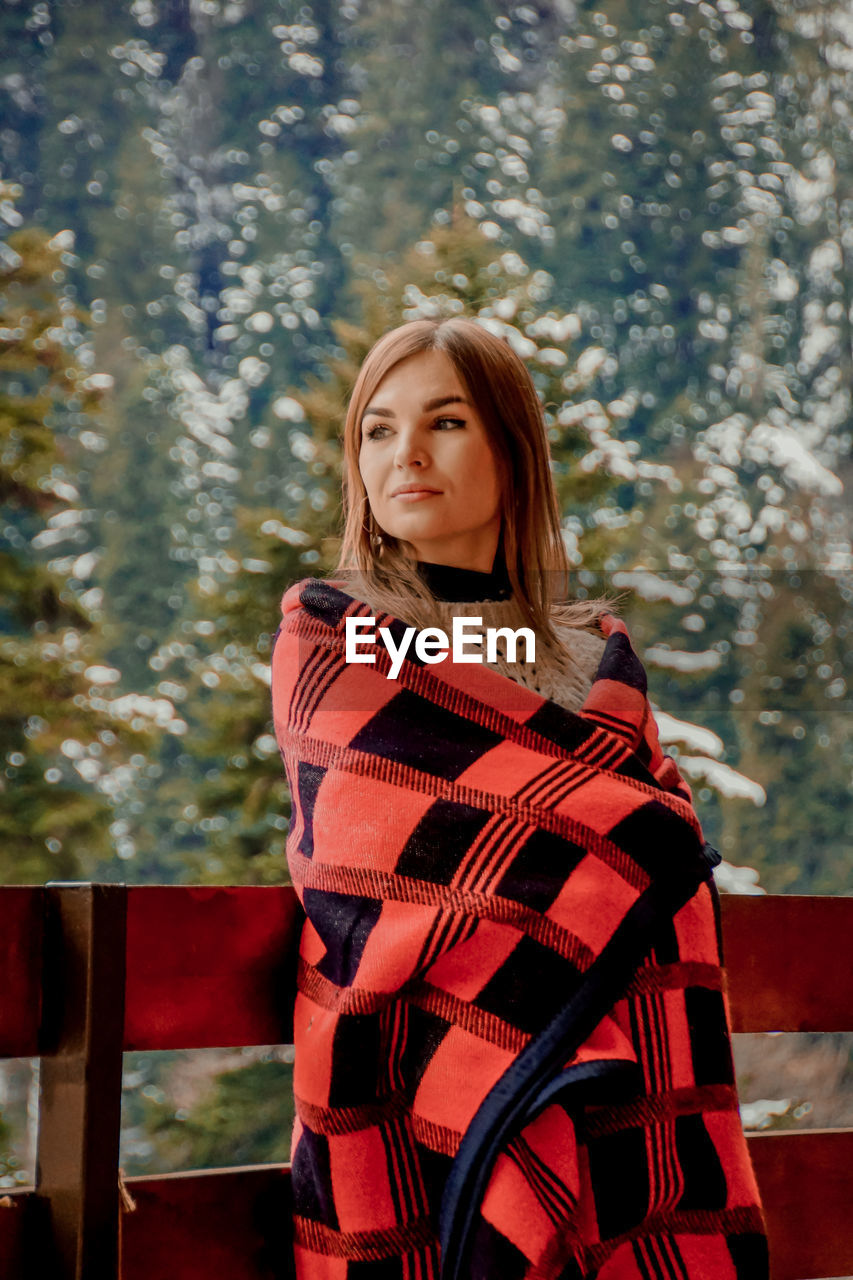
[512, 1052]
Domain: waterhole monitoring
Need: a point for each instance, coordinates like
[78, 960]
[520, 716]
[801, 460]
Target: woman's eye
[379, 430]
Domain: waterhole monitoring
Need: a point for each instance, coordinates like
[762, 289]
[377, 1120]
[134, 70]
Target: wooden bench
[89, 971]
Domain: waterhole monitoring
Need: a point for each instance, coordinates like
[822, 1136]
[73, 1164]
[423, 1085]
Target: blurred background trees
[213, 207]
[65, 741]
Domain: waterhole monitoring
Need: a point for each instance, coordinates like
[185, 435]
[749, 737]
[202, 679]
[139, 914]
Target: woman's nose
[411, 451]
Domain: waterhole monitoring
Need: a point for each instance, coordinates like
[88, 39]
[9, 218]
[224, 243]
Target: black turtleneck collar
[458, 585]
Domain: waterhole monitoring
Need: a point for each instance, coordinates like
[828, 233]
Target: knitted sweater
[565, 675]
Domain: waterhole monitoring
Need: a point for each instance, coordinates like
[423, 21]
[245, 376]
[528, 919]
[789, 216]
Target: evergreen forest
[209, 211]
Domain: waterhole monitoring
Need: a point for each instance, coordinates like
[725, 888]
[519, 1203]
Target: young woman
[512, 1056]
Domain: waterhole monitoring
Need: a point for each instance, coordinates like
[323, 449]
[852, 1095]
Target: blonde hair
[498, 383]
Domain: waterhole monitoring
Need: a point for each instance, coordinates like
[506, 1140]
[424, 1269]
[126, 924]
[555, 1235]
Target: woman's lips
[416, 495]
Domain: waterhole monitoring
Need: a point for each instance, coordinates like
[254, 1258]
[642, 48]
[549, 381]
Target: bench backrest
[90, 971]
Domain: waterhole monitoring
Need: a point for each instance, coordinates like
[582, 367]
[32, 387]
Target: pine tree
[242, 1116]
[63, 742]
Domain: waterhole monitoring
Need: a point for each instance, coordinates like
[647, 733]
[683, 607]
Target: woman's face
[428, 467]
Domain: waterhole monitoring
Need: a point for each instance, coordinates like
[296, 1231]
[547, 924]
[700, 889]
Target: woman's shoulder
[310, 608]
[313, 594]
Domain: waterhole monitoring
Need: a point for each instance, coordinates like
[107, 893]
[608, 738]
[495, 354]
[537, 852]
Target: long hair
[497, 382]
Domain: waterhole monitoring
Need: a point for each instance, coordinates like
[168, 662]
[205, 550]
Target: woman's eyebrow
[438, 403]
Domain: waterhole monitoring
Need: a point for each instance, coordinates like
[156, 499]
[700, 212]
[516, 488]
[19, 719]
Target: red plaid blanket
[512, 1053]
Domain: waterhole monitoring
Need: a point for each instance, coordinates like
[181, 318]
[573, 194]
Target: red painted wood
[236, 1223]
[806, 1182]
[14, 1211]
[216, 1224]
[21, 911]
[210, 967]
[790, 962]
